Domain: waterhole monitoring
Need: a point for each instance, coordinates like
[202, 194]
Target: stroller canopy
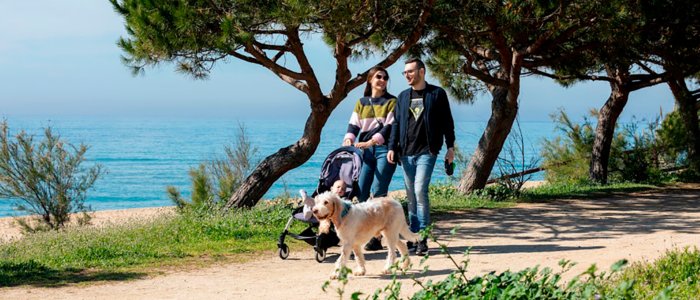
[343, 163]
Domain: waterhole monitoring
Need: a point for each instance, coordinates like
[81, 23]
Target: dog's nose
[315, 210]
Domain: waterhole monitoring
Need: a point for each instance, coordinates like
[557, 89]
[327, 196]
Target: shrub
[512, 161]
[566, 157]
[640, 163]
[214, 181]
[673, 276]
[45, 177]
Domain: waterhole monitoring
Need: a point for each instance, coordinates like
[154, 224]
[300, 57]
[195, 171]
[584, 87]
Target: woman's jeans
[417, 170]
[375, 165]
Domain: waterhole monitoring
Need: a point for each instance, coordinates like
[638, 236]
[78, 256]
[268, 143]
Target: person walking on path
[423, 122]
[370, 125]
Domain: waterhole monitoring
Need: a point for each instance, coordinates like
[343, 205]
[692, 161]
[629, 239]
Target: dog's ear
[324, 226]
[338, 207]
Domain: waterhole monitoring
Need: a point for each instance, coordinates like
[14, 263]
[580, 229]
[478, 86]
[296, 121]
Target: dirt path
[637, 227]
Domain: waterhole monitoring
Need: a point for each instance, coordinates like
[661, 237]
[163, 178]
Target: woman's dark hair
[373, 71]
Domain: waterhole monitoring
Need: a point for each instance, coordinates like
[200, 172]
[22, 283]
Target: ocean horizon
[142, 156]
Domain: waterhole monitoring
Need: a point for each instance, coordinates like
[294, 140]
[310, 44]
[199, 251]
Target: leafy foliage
[45, 177]
[566, 157]
[673, 276]
[673, 138]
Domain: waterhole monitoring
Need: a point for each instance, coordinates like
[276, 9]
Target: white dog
[357, 224]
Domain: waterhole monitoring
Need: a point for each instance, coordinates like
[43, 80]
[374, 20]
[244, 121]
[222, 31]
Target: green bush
[567, 157]
[673, 276]
[214, 181]
[635, 155]
[45, 177]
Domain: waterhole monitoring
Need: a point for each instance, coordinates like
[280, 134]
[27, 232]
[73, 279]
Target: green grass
[549, 192]
[123, 251]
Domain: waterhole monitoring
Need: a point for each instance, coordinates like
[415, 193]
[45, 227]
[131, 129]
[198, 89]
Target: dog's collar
[345, 211]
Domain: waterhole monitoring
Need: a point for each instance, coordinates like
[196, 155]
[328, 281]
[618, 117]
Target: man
[423, 121]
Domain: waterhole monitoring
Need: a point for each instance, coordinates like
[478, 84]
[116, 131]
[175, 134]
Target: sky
[60, 58]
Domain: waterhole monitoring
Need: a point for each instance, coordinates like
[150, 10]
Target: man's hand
[450, 155]
[390, 157]
[347, 142]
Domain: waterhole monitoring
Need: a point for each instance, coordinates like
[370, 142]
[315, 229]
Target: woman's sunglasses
[381, 77]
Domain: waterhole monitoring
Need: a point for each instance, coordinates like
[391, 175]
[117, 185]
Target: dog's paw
[335, 276]
[386, 271]
[360, 272]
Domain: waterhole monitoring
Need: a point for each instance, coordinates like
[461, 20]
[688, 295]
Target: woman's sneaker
[422, 247]
[374, 245]
[411, 246]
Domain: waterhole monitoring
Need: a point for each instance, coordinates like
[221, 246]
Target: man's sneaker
[422, 247]
[374, 245]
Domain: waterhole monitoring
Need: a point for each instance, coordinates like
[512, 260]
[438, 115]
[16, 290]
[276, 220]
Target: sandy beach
[9, 228]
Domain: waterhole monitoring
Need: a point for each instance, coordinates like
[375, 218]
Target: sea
[144, 155]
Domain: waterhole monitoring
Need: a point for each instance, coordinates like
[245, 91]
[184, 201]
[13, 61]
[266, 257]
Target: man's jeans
[417, 170]
[375, 165]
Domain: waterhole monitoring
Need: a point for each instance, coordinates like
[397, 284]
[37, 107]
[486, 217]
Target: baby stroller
[343, 163]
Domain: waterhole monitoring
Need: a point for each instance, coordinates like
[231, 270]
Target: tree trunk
[274, 166]
[504, 109]
[689, 115]
[605, 131]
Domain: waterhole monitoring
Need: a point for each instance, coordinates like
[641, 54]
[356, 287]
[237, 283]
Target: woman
[370, 125]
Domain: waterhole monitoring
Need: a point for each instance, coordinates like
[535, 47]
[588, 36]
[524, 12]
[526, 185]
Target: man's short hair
[419, 63]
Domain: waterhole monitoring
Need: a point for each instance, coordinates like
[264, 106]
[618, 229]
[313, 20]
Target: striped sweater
[365, 125]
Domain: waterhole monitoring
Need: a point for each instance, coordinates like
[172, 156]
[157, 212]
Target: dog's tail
[408, 235]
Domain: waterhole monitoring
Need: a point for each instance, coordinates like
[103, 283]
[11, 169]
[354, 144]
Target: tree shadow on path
[543, 225]
[39, 275]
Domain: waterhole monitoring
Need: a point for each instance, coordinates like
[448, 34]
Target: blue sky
[59, 58]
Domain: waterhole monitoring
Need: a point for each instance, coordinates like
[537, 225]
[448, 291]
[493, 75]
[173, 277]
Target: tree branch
[569, 77]
[400, 50]
[488, 79]
[297, 47]
[500, 43]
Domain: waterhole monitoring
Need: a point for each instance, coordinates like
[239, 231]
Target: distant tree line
[471, 46]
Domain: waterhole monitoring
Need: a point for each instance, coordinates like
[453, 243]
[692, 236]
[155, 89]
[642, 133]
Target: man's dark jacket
[436, 114]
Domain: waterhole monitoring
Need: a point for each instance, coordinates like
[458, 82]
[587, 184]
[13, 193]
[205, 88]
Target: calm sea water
[144, 155]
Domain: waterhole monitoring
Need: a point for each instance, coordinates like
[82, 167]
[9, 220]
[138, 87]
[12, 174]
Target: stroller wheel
[284, 251]
[321, 255]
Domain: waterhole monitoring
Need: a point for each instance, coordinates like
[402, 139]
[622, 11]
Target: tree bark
[274, 166]
[504, 109]
[689, 115]
[605, 131]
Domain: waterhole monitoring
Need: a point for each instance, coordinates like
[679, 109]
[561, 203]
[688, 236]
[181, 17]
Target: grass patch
[550, 192]
[444, 198]
[116, 252]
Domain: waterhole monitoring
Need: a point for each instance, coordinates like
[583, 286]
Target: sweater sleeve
[354, 126]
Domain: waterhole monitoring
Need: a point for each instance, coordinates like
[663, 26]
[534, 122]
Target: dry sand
[637, 227]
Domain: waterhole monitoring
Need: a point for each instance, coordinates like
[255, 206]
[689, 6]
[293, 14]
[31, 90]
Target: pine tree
[198, 34]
